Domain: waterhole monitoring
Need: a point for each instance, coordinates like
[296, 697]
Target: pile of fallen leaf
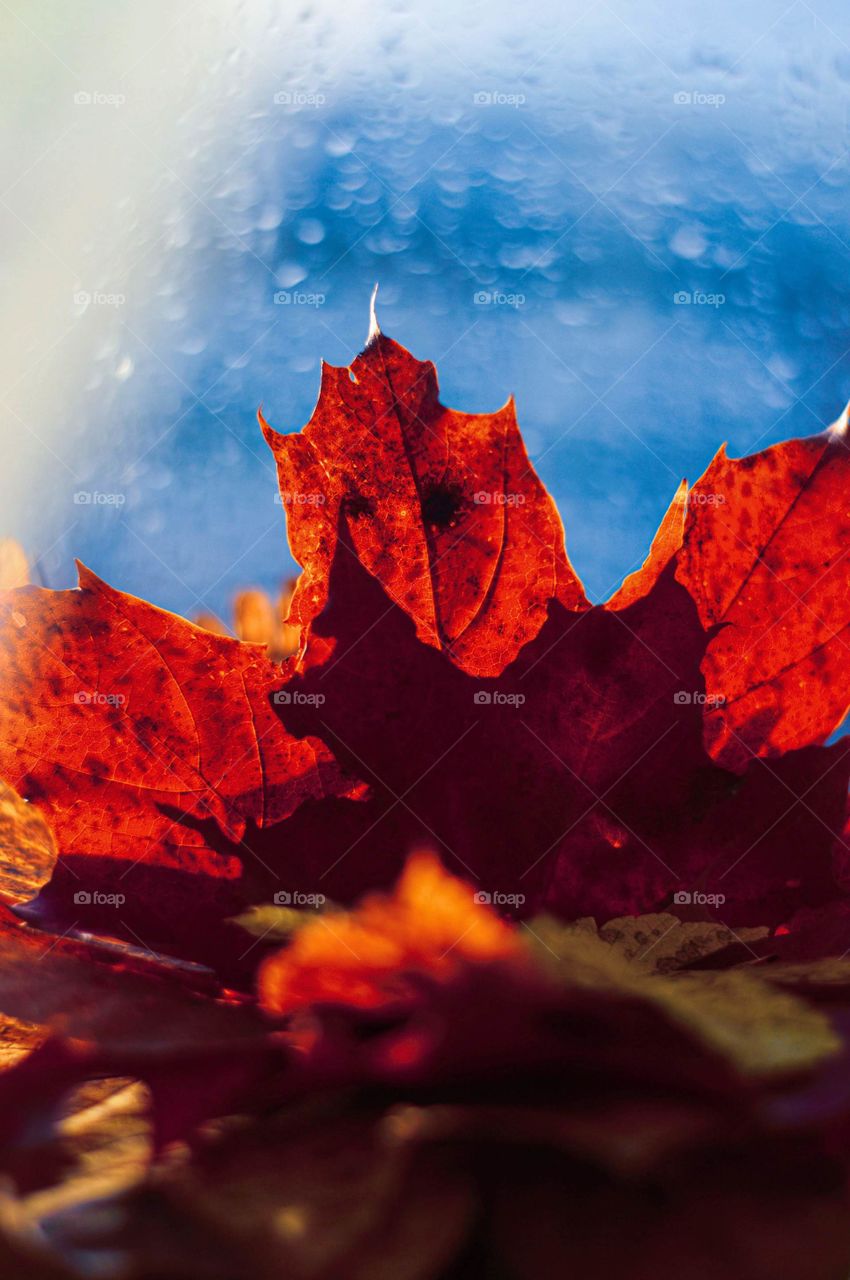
[489, 934]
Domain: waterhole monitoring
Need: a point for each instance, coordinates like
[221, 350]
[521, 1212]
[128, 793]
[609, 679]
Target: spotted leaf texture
[443, 508]
[137, 733]
[765, 556]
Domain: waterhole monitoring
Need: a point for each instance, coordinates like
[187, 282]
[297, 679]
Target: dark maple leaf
[434, 1085]
[448, 1192]
[104, 1011]
[581, 784]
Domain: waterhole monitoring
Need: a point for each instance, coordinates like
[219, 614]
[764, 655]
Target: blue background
[588, 163]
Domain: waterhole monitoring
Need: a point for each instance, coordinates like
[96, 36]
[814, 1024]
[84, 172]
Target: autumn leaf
[761, 542]
[430, 924]
[577, 781]
[764, 555]
[153, 748]
[453, 687]
[103, 1010]
[431, 927]
[662, 943]
[616, 1085]
[442, 508]
[491, 932]
[27, 847]
[584, 785]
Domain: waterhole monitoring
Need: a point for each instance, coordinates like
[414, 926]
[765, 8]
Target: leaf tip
[374, 328]
[86, 578]
[268, 431]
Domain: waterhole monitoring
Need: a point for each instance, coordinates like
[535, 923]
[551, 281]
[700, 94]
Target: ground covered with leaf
[489, 933]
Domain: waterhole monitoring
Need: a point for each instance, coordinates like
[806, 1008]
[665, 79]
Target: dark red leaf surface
[580, 782]
[103, 1011]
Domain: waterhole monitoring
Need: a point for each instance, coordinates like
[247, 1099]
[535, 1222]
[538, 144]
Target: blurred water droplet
[289, 274]
[192, 345]
[269, 218]
[688, 242]
[310, 231]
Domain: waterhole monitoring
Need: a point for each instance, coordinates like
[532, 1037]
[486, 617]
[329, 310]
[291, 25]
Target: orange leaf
[431, 923]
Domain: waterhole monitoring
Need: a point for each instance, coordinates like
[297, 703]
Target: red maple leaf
[564, 754]
[589, 760]
[155, 750]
